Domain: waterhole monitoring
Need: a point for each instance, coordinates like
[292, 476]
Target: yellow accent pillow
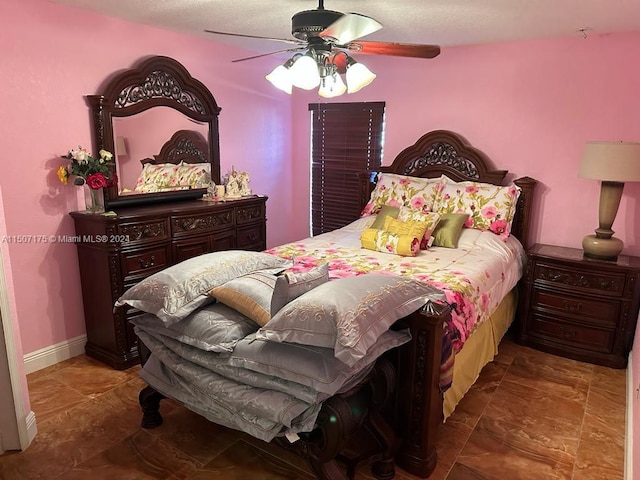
[411, 228]
[387, 242]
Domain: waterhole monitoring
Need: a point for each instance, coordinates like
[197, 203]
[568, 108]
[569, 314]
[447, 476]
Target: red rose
[96, 180]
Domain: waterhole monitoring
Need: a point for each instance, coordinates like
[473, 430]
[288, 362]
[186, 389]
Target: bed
[395, 396]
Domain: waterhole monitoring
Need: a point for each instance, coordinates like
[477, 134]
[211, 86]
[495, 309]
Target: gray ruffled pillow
[175, 292]
[348, 314]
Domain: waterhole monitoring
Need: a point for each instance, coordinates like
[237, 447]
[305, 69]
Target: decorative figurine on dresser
[141, 233]
[578, 307]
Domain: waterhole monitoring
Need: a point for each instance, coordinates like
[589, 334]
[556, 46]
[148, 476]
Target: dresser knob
[145, 264]
[571, 307]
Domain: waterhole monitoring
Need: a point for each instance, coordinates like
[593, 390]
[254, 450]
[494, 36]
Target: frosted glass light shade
[304, 73]
[280, 77]
[332, 86]
[358, 76]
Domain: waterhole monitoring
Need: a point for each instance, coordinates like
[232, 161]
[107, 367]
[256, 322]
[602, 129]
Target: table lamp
[613, 163]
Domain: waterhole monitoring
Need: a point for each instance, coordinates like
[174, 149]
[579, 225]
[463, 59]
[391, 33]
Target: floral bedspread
[475, 277]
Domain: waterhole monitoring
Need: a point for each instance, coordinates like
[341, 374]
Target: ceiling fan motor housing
[310, 23]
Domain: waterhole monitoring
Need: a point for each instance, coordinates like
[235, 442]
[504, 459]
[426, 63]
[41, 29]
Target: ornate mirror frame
[154, 82]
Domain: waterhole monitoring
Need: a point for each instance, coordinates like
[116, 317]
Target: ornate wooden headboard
[186, 146]
[444, 152]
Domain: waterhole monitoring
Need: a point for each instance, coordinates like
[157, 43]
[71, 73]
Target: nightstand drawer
[571, 334]
[563, 276]
[145, 261]
[597, 311]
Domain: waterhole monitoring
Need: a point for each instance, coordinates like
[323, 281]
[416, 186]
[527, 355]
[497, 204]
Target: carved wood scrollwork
[147, 230]
[442, 154]
[187, 224]
[162, 85]
[419, 379]
[580, 280]
[186, 147]
[247, 214]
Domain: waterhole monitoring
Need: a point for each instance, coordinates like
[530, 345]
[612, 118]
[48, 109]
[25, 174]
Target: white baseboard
[45, 357]
[628, 443]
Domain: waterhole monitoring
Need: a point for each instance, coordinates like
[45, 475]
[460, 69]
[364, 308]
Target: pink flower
[489, 212]
[404, 181]
[471, 189]
[469, 222]
[394, 203]
[417, 202]
[498, 226]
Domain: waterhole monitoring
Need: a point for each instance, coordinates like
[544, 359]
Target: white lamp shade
[304, 73]
[358, 76]
[280, 77]
[121, 147]
[332, 86]
[611, 161]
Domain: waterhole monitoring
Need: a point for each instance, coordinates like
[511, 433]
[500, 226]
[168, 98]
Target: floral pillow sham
[402, 190]
[490, 207]
[154, 178]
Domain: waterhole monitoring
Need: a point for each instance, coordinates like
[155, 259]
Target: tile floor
[530, 416]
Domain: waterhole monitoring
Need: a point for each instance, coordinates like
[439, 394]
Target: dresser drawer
[202, 223]
[191, 247]
[563, 276]
[605, 312]
[145, 261]
[249, 214]
[251, 237]
[571, 334]
[144, 231]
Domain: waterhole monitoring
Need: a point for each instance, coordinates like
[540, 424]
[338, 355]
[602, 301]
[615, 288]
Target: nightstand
[577, 307]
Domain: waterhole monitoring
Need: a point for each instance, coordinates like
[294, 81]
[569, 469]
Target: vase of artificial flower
[95, 174]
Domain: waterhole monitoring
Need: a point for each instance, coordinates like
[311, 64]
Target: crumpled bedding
[261, 405]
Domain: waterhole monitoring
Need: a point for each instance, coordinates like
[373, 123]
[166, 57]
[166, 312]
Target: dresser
[579, 308]
[116, 252]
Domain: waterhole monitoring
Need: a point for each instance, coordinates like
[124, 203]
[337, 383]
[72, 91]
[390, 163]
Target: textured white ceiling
[442, 22]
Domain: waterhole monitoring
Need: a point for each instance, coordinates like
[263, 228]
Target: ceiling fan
[329, 37]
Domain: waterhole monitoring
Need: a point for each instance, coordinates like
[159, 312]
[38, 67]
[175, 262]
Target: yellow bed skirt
[479, 349]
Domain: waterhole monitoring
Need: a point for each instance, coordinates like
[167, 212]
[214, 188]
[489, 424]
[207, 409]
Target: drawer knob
[568, 333]
[146, 264]
[571, 306]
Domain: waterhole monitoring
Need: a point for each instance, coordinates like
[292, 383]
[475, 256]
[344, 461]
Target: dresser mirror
[138, 117]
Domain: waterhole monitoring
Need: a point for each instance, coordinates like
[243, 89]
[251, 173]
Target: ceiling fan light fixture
[358, 76]
[332, 86]
[280, 77]
[304, 73]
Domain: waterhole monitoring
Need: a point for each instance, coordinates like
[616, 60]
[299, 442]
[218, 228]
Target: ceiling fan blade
[254, 36]
[394, 49]
[349, 27]
[267, 54]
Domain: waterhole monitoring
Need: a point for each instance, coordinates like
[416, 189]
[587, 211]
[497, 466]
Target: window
[346, 142]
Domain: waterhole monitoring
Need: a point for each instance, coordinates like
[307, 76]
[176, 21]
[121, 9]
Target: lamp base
[601, 248]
